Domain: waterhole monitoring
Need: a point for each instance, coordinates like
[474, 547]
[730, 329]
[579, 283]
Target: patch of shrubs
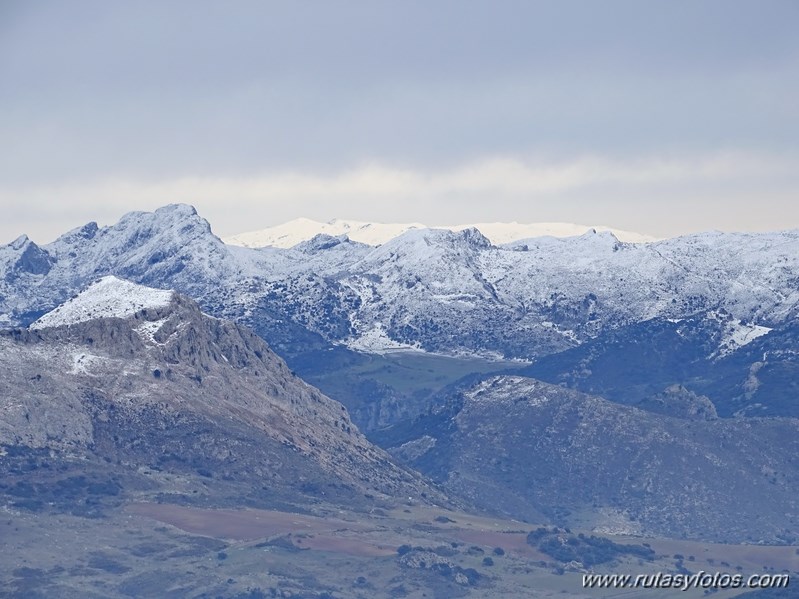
[566, 547]
[447, 571]
[79, 495]
[444, 519]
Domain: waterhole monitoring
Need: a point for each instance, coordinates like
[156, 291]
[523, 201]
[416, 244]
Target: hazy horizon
[225, 233]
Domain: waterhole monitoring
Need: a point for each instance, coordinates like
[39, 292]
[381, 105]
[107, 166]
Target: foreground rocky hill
[126, 388]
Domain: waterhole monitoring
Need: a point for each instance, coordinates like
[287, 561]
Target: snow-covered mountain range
[298, 230]
[428, 290]
[431, 289]
[697, 335]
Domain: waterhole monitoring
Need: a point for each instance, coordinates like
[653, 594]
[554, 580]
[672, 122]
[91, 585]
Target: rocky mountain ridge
[170, 390]
[745, 369]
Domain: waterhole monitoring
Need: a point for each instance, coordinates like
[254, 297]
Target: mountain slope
[745, 369]
[523, 447]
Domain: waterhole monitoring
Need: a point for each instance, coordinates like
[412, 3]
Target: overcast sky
[662, 117]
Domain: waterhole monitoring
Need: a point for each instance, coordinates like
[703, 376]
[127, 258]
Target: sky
[663, 117]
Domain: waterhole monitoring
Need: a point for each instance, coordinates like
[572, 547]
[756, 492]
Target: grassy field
[147, 549]
[411, 371]
[382, 389]
[334, 553]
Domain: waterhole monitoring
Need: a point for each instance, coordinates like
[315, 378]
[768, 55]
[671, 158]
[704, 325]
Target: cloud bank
[657, 196]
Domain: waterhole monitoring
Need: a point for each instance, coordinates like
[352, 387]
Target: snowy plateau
[109, 297]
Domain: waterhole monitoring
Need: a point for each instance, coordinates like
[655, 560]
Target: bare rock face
[168, 388]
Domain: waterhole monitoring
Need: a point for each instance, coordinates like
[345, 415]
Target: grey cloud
[150, 91]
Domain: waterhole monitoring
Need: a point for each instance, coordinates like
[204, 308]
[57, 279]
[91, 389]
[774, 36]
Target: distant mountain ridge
[289, 234]
[445, 292]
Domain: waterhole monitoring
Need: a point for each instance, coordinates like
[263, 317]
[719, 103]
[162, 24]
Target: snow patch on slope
[107, 298]
[82, 362]
[738, 334]
[147, 329]
[377, 341]
[745, 334]
[302, 229]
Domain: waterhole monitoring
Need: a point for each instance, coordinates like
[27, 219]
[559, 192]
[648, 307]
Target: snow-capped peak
[19, 242]
[302, 229]
[106, 298]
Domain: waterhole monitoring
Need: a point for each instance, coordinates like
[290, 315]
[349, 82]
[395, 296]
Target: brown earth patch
[240, 525]
[512, 542]
[301, 530]
[350, 546]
